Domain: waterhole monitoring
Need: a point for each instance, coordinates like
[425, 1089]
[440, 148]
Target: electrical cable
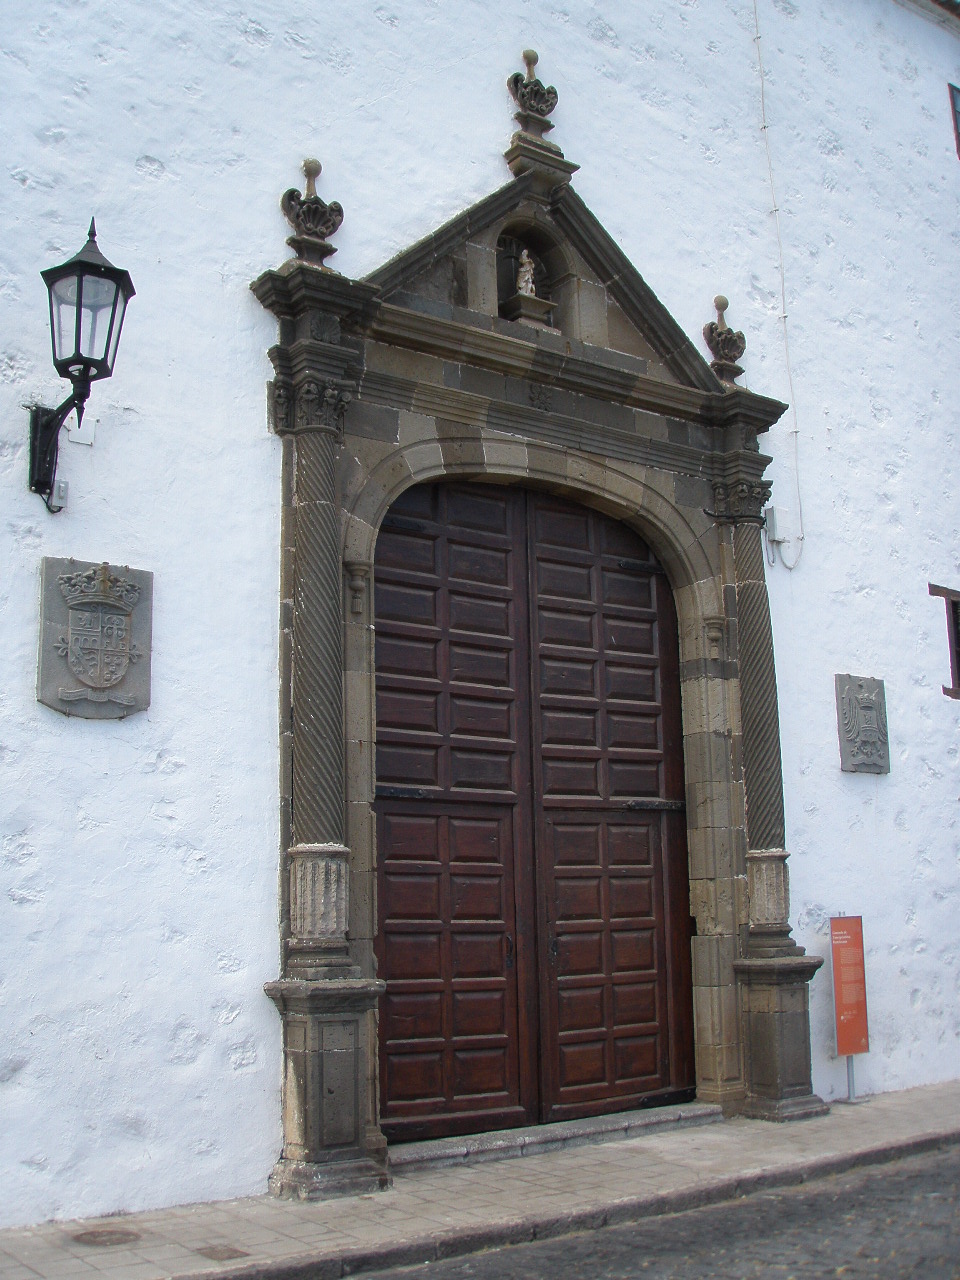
[764, 129]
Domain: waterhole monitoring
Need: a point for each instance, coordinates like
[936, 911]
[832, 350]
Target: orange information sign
[849, 984]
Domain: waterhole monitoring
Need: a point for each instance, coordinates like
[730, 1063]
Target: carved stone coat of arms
[862, 725]
[95, 634]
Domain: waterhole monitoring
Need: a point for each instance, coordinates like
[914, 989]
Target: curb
[461, 1241]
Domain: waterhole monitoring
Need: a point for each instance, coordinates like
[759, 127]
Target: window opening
[952, 601]
[955, 104]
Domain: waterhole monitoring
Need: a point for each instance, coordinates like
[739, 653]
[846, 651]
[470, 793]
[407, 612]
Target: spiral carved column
[317, 858]
[763, 778]
[775, 973]
[767, 877]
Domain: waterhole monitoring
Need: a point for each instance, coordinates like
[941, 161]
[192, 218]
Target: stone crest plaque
[95, 635]
[862, 725]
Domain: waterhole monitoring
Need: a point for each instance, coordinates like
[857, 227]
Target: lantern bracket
[45, 427]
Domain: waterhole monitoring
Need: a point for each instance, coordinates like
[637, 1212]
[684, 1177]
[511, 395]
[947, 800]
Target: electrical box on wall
[775, 523]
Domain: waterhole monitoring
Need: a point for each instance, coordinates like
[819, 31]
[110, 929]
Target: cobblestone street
[885, 1222]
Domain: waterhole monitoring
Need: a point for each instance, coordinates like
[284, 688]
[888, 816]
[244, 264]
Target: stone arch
[611, 488]
[715, 862]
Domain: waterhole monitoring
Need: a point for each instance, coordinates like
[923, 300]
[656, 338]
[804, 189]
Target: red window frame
[952, 601]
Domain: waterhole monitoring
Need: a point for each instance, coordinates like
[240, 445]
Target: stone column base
[332, 1144]
[775, 1003]
[303, 1180]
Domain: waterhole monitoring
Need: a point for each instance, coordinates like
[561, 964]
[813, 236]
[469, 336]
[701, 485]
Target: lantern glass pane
[63, 314]
[96, 306]
[115, 331]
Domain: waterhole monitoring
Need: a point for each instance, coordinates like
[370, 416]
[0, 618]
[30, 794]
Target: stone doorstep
[506, 1144]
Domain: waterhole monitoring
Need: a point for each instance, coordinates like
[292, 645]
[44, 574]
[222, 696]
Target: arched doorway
[525, 982]
[533, 906]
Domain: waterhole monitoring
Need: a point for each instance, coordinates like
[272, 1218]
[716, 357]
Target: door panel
[599, 604]
[452, 760]
[533, 917]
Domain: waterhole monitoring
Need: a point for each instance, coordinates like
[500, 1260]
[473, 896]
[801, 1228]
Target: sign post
[849, 991]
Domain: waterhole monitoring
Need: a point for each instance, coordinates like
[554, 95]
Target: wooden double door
[533, 913]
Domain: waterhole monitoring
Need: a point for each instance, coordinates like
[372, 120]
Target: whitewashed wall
[139, 1062]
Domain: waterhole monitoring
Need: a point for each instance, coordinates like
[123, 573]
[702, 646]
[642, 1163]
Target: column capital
[740, 500]
[309, 404]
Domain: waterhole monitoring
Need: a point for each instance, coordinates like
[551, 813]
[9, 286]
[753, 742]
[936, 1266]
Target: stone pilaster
[332, 1143]
[716, 844]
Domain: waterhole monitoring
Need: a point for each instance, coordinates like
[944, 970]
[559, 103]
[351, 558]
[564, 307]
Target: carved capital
[320, 406]
[740, 499]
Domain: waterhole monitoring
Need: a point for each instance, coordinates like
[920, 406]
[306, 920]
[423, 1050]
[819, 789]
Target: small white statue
[525, 283]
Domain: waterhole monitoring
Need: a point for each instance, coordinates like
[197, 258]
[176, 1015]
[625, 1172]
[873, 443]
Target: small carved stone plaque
[862, 725]
[95, 633]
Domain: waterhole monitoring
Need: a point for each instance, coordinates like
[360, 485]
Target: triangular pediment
[596, 296]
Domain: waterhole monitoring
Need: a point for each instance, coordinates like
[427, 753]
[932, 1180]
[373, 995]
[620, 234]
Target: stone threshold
[507, 1144]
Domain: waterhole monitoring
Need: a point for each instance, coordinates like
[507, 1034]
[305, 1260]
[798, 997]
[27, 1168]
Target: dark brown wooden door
[532, 883]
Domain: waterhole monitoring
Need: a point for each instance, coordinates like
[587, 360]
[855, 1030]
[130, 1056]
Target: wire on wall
[764, 129]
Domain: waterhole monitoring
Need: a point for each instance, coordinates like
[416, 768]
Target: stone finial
[534, 99]
[726, 347]
[529, 150]
[311, 218]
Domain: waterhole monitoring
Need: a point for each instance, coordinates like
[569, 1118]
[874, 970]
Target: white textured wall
[868, 182]
[139, 1063]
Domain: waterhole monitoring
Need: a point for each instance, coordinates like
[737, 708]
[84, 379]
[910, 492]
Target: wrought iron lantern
[88, 299]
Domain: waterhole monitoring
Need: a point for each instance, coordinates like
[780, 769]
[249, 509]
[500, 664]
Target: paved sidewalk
[433, 1212]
